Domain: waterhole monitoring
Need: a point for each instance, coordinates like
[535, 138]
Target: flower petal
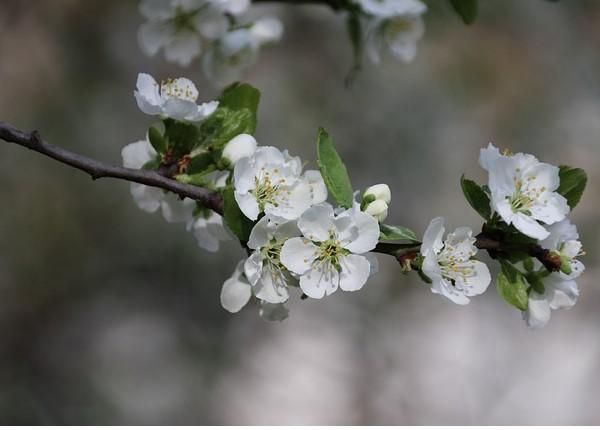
[529, 226]
[355, 272]
[253, 267]
[368, 233]
[147, 198]
[273, 311]
[176, 210]
[272, 287]
[136, 154]
[320, 280]
[248, 205]
[538, 312]
[183, 49]
[298, 254]
[317, 222]
[432, 238]
[235, 292]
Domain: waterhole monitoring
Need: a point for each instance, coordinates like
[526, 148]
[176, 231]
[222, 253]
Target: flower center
[183, 21]
[268, 190]
[525, 195]
[330, 251]
[271, 260]
[175, 89]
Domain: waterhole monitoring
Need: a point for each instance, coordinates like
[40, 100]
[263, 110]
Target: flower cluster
[297, 241]
[188, 29]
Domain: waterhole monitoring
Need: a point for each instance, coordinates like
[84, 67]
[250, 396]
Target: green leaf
[156, 140]
[467, 9]
[333, 170]
[202, 163]
[181, 136]
[476, 197]
[236, 114]
[235, 219]
[393, 232]
[572, 184]
[511, 286]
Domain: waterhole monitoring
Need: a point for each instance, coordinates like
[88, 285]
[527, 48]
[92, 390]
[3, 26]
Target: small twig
[97, 169]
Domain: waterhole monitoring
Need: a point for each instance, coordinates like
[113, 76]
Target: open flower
[395, 25]
[560, 290]
[329, 254]
[237, 291]
[450, 265]
[181, 27]
[271, 181]
[238, 49]
[263, 269]
[173, 98]
[150, 199]
[524, 191]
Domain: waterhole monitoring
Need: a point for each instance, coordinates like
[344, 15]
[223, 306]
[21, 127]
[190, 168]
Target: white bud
[243, 145]
[378, 209]
[381, 192]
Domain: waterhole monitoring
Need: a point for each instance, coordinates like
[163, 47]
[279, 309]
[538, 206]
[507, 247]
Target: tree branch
[97, 169]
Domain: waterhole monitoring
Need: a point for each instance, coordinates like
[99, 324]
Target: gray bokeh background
[109, 315]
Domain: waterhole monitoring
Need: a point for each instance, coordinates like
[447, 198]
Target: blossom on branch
[173, 98]
[523, 191]
[330, 253]
[450, 265]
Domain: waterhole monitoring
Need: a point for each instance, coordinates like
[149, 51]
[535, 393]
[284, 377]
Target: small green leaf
[467, 9]
[202, 163]
[181, 136]
[476, 197]
[156, 140]
[511, 286]
[572, 184]
[235, 219]
[240, 96]
[333, 170]
[393, 232]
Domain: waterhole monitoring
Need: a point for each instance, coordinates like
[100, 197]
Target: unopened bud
[243, 145]
[380, 191]
[378, 209]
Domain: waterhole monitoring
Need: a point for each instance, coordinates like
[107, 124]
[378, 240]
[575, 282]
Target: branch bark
[97, 169]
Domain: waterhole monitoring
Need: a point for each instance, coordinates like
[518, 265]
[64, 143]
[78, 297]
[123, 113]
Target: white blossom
[173, 98]
[394, 25]
[237, 291]
[380, 192]
[330, 253]
[560, 289]
[243, 145]
[182, 27]
[524, 191]
[208, 230]
[238, 49]
[264, 270]
[450, 265]
[150, 199]
[271, 181]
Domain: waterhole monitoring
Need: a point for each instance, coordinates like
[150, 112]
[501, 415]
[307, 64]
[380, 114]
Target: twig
[97, 169]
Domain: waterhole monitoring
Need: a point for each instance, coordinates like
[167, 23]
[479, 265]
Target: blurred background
[109, 315]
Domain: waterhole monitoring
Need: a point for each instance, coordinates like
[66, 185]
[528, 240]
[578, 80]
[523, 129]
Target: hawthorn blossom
[150, 199]
[173, 98]
[330, 253]
[182, 27]
[263, 269]
[523, 191]
[271, 181]
[560, 290]
[237, 291]
[238, 49]
[395, 25]
[450, 265]
[243, 145]
[376, 199]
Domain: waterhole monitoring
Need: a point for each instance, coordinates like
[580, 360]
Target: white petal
[459, 245]
[320, 280]
[560, 232]
[380, 192]
[135, 155]
[316, 222]
[273, 311]
[294, 202]
[183, 49]
[176, 210]
[204, 235]
[432, 239]
[368, 233]
[318, 187]
[550, 208]
[147, 198]
[445, 288]
[203, 111]
[248, 205]
[298, 254]
[355, 272]
[244, 174]
[478, 282]
[156, 9]
[538, 313]
[147, 94]
[235, 292]
[488, 156]
[180, 109]
[154, 35]
[267, 29]
[562, 294]
[539, 175]
[261, 233]
[253, 267]
[529, 226]
[271, 288]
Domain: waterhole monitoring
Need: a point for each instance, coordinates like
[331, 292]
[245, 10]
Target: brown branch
[97, 169]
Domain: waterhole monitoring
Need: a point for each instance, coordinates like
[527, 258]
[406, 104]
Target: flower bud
[243, 145]
[380, 191]
[378, 209]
